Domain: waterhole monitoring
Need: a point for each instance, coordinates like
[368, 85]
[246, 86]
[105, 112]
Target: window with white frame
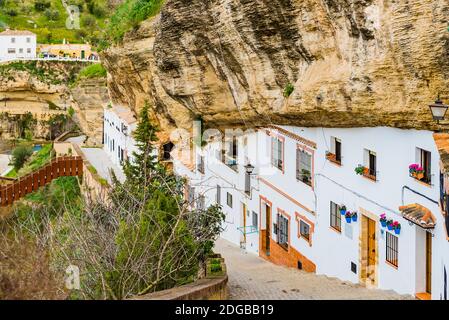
[282, 230]
[13, 40]
[304, 166]
[218, 195]
[304, 230]
[335, 217]
[230, 152]
[335, 152]
[28, 50]
[11, 50]
[277, 154]
[20, 50]
[392, 251]
[370, 163]
[28, 39]
[424, 158]
[229, 199]
[255, 219]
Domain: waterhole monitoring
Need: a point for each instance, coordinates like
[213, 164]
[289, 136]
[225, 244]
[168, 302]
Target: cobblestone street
[251, 277]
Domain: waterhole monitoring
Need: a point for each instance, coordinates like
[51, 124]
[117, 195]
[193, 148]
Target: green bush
[93, 71]
[20, 155]
[88, 21]
[215, 268]
[288, 90]
[41, 5]
[129, 14]
[11, 13]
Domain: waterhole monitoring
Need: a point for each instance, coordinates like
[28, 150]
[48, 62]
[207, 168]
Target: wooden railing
[59, 167]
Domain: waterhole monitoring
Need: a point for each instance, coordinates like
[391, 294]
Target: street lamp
[249, 168]
[438, 109]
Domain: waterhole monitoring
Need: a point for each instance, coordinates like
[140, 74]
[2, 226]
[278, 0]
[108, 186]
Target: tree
[145, 160]
[20, 155]
[140, 237]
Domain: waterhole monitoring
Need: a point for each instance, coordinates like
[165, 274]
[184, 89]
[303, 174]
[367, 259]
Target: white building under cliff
[118, 124]
[288, 209]
[365, 205]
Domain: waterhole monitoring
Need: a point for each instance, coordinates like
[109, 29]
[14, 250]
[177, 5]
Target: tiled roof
[419, 215]
[17, 33]
[294, 136]
[442, 143]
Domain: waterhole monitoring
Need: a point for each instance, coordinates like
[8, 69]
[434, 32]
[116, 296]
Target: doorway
[268, 232]
[243, 240]
[368, 246]
[265, 227]
[428, 262]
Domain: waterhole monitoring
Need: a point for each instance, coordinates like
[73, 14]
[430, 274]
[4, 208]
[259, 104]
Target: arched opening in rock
[166, 151]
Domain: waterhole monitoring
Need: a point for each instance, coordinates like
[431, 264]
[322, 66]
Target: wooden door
[371, 247]
[268, 229]
[428, 262]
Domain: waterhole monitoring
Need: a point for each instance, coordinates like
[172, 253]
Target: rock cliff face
[89, 98]
[44, 90]
[351, 62]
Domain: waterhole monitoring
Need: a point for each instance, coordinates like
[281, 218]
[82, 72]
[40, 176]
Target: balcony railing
[248, 229]
[230, 162]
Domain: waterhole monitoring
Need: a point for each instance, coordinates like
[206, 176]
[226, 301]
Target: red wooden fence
[59, 167]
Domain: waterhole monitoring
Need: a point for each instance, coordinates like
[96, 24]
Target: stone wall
[203, 289]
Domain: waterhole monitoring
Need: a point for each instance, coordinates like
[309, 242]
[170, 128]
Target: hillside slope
[47, 18]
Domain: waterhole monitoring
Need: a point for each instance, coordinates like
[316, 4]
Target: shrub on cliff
[128, 15]
[92, 71]
[20, 155]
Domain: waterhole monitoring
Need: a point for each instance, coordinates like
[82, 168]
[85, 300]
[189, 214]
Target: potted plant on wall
[342, 209]
[348, 216]
[390, 224]
[383, 220]
[354, 216]
[416, 171]
[397, 227]
[360, 170]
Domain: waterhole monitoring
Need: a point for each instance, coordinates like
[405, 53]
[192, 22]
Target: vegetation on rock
[92, 71]
[128, 16]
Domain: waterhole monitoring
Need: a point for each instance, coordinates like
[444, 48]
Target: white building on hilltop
[17, 44]
[118, 125]
[284, 189]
